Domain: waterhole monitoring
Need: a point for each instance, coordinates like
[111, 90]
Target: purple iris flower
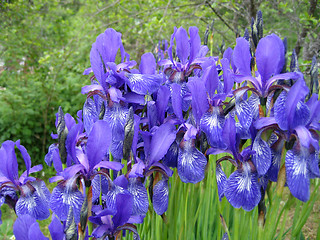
[270, 60]
[109, 226]
[241, 188]
[34, 195]
[88, 156]
[300, 120]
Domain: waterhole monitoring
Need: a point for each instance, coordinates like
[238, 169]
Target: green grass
[195, 212]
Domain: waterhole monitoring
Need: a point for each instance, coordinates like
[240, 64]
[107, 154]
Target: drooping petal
[63, 197]
[100, 185]
[297, 174]
[191, 163]
[280, 111]
[161, 141]
[90, 114]
[116, 117]
[160, 196]
[140, 197]
[221, 181]
[244, 113]
[98, 143]
[262, 158]
[171, 157]
[144, 83]
[242, 57]
[34, 201]
[296, 112]
[242, 188]
[212, 124]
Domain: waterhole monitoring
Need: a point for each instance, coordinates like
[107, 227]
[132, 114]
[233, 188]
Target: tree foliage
[45, 44]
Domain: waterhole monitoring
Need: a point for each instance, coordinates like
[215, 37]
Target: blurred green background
[45, 46]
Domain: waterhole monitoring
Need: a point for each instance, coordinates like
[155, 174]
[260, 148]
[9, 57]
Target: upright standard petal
[191, 163]
[199, 103]
[98, 142]
[242, 188]
[195, 43]
[147, 64]
[182, 45]
[269, 57]
[242, 57]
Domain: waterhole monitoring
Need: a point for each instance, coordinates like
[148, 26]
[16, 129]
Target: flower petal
[244, 113]
[98, 143]
[297, 175]
[160, 196]
[262, 158]
[242, 57]
[221, 181]
[144, 83]
[269, 57]
[191, 163]
[176, 99]
[161, 141]
[63, 197]
[212, 124]
[147, 64]
[199, 97]
[90, 114]
[56, 228]
[34, 201]
[140, 197]
[21, 227]
[182, 45]
[242, 188]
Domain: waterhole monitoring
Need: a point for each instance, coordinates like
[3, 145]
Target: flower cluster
[137, 124]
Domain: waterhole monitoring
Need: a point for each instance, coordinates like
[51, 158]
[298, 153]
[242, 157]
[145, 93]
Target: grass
[195, 212]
